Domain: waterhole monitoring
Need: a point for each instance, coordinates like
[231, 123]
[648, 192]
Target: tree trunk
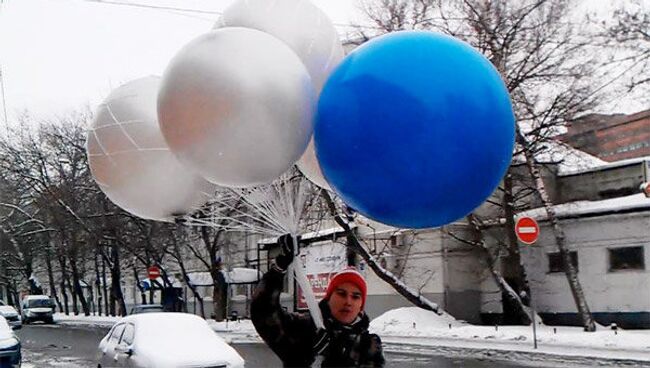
[105, 288]
[50, 279]
[143, 296]
[219, 295]
[75, 305]
[116, 288]
[506, 289]
[186, 277]
[98, 284]
[570, 271]
[511, 266]
[411, 295]
[64, 292]
[77, 286]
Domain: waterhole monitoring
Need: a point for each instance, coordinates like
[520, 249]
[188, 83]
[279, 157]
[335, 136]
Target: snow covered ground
[418, 331]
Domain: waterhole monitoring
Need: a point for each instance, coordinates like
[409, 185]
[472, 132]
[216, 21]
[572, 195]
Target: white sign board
[321, 262]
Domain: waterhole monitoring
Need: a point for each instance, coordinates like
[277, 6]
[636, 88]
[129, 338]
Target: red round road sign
[527, 230]
[153, 272]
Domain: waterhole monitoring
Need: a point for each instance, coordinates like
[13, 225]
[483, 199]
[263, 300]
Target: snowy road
[76, 347]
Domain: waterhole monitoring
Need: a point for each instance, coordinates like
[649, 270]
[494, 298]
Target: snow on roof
[5, 330]
[606, 166]
[309, 235]
[579, 208]
[242, 275]
[237, 275]
[568, 159]
[175, 283]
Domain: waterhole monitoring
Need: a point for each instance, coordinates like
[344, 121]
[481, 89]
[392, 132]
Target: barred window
[627, 258]
[555, 263]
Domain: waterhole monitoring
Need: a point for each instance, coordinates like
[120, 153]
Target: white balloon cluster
[309, 33]
[235, 108]
[131, 161]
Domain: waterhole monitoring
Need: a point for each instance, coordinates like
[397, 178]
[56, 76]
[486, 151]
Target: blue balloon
[414, 129]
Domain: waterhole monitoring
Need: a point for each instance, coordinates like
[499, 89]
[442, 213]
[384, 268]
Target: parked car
[146, 308]
[37, 308]
[11, 315]
[10, 349]
[165, 340]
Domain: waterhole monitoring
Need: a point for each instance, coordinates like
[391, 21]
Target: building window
[628, 258]
[555, 263]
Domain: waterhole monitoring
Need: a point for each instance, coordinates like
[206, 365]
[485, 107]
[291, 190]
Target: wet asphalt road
[73, 347]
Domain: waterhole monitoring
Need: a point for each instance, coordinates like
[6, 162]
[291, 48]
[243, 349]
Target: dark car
[146, 308]
[10, 349]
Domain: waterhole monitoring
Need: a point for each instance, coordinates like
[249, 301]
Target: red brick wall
[612, 138]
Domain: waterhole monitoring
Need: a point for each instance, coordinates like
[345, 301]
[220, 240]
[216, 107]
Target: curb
[533, 358]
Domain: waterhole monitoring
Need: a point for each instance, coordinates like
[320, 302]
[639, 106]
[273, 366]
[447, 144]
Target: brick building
[611, 137]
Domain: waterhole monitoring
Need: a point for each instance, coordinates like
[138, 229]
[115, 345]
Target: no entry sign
[153, 272]
[527, 230]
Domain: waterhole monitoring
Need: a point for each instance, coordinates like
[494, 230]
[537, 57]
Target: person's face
[345, 303]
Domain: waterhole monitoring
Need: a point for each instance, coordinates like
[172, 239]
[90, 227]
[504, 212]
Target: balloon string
[307, 291]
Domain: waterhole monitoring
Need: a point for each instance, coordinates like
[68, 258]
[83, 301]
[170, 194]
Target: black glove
[284, 259]
[322, 341]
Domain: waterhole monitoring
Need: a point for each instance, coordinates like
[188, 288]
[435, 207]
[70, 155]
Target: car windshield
[40, 303]
[147, 309]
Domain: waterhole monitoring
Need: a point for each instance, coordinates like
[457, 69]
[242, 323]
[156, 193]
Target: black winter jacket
[292, 336]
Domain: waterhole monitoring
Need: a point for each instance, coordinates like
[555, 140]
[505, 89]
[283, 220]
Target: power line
[4, 102]
[138, 5]
[199, 11]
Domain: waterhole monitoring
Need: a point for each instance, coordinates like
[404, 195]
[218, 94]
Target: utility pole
[4, 101]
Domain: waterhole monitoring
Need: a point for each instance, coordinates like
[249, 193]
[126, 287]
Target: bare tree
[353, 243]
[549, 66]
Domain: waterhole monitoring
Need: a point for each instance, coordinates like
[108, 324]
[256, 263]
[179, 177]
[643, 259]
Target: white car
[10, 355]
[37, 308]
[166, 340]
[11, 315]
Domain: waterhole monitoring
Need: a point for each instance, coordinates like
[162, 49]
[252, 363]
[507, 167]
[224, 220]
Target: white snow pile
[420, 327]
[244, 326]
[103, 321]
[412, 321]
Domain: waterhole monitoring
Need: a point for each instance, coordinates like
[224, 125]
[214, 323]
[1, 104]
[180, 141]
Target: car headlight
[8, 343]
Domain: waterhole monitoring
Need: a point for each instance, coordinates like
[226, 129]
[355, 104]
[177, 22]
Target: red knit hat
[350, 275]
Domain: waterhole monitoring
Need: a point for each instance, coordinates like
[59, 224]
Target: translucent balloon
[131, 162]
[237, 106]
[298, 23]
[415, 129]
[308, 32]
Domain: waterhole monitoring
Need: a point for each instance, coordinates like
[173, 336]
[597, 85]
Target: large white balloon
[237, 105]
[298, 23]
[131, 161]
[310, 34]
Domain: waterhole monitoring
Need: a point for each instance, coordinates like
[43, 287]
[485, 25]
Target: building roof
[633, 203]
[605, 166]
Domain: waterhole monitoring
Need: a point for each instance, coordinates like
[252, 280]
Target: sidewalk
[431, 335]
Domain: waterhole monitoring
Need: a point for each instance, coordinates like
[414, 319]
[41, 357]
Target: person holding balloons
[345, 340]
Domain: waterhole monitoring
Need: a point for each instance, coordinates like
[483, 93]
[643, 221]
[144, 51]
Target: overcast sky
[59, 55]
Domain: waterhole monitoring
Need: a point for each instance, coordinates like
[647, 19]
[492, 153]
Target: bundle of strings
[280, 207]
